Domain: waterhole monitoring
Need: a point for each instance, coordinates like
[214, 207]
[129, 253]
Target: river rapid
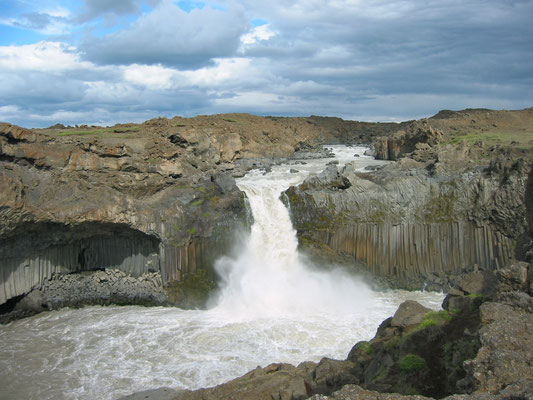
[273, 306]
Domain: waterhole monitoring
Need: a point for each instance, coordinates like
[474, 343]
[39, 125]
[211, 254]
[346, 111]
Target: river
[273, 306]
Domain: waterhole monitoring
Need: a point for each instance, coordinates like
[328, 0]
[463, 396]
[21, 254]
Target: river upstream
[272, 306]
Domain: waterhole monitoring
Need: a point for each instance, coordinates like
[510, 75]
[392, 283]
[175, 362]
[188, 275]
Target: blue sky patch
[259, 22]
[188, 6]
[10, 35]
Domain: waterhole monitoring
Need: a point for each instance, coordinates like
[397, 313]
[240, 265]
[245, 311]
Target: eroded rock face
[394, 146]
[529, 200]
[412, 225]
[168, 180]
[506, 352]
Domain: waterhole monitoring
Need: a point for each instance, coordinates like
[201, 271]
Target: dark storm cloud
[422, 47]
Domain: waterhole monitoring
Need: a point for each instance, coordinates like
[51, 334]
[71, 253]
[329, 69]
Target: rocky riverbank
[105, 287]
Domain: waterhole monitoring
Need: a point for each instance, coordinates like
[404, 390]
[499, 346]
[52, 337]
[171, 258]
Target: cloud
[43, 57]
[369, 60]
[262, 32]
[172, 37]
[52, 22]
[96, 8]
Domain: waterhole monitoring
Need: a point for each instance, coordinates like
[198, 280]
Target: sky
[109, 61]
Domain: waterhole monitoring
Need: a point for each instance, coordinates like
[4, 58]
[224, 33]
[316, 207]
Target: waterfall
[268, 277]
[273, 306]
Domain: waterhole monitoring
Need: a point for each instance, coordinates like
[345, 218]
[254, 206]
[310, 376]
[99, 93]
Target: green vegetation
[198, 202]
[228, 120]
[192, 230]
[412, 362]
[392, 343]
[520, 139]
[364, 346]
[377, 217]
[433, 318]
[99, 131]
[440, 208]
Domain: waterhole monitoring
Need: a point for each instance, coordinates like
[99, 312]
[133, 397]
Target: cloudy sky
[108, 61]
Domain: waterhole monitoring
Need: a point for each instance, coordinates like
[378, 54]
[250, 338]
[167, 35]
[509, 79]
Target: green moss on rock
[412, 362]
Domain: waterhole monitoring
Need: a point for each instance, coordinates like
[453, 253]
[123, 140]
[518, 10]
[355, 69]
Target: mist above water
[273, 306]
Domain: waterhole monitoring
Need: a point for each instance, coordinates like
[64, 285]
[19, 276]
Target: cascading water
[269, 278]
[272, 307]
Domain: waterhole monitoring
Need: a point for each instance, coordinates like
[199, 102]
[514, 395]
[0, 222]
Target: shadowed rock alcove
[38, 251]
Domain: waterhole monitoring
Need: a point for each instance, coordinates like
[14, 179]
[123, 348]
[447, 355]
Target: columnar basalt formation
[160, 196]
[157, 196]
[420, 221]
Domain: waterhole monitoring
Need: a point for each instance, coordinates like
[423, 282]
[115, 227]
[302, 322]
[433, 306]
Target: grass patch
[520, 139]
[228, 120]
[412, 362]
[433, 318]
[198, 202]
[192, 230]
[99, 131]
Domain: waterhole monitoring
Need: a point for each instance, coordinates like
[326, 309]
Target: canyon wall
[414, 223]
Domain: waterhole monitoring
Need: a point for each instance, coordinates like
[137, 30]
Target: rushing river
[273, 305]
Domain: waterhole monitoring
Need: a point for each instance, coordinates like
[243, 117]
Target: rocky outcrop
[411, 224]
[158, 196]
[404, 141]
[529, 200]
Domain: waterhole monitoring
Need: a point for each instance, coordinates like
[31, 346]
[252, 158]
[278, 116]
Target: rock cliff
[141, 198]
[159, 197]
[442, 209]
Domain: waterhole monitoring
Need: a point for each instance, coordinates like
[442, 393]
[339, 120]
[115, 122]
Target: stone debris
[109, 286]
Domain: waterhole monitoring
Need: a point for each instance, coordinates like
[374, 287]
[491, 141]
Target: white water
[272, 307]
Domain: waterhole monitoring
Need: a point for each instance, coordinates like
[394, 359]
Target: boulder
[224, 183]
[330, 375]
[478, 282]
[409, 313]
[276, 381]
[514, 278]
